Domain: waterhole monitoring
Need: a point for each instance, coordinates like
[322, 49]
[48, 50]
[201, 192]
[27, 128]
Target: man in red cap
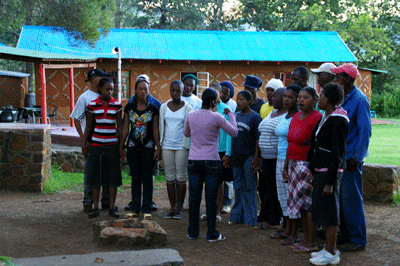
[353, 232]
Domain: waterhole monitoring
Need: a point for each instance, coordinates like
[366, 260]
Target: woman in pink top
[204, 165]
[296, 169]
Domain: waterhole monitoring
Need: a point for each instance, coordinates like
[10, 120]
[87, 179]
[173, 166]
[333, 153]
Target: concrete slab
[148, 257]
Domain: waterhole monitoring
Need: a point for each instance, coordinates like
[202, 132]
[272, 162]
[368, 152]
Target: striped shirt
[268, 141]
[105, 132]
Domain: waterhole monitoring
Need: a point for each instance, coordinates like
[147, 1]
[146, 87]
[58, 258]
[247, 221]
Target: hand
[86, 149]
[226, 161]
[227, 111]
[256, 163]
[122, 155]
[157, 155]
[328, 190]
[285, 176]
[352, 165]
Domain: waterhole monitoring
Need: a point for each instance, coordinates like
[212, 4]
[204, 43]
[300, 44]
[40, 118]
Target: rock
[380, 181]
[124, 236]
[157, 233]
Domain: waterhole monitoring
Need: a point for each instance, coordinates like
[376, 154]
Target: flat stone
[19, 142]
[167, 257]
[121, 223]
[34, 169]
[157, 233]
[18, 160]
[67, 167]
[124, 236]
[36, 147]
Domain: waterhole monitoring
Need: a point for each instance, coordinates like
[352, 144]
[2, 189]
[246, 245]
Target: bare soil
[35, 225]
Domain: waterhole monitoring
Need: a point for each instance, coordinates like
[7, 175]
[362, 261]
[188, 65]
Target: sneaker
[169, 215]
[87, 208]
[191, 238]
[220, 238]
[113, 212]
[94, 213]
[178, 216]
[226, 209]
[325, 258]
[322, 251]
[154, 207]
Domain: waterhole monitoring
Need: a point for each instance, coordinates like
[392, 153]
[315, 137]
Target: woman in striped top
[268, 145]
[104, 169]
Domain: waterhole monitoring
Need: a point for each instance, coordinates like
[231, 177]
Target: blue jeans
[207, 172]
[228, 194]
[141, 165]
[352, 225]
[244, 209]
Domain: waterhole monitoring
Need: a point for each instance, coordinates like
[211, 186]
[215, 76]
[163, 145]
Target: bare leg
[330, 242]
[288, 228]
[181, 195]
[96, 197]
[312, 230]
[172, 195]
[112, 191]
[295, 227]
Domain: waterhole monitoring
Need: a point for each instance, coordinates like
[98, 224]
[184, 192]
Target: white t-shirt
[193, 100]
[173, 134]
[81, 107]
[232, 104]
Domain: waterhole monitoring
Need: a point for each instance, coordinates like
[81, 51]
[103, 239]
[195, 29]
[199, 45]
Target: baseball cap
[348, 68]
[96, 73]
[325, 67]
[143, 77]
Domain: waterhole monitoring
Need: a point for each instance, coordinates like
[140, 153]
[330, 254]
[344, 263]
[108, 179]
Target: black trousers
[270, 207]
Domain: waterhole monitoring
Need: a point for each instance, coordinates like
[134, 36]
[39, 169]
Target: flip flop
[278, 234]
[219, 219]
[302, 249]
[203, 218]
[289, 241]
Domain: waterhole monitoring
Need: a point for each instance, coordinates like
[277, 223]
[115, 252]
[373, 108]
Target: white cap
[325, 67]
[143, 77]
[274, 84]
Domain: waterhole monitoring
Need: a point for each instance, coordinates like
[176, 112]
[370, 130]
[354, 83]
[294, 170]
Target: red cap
[349, 69]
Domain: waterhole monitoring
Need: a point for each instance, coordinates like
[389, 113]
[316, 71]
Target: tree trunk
[118, 15]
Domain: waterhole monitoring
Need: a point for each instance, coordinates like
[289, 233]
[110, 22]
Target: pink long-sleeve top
[203, 126]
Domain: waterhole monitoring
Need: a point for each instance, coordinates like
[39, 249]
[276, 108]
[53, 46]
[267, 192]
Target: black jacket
[328, 148]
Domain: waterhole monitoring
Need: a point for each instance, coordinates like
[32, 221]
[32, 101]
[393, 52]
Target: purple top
[204, 128]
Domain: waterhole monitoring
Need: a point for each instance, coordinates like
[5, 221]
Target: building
[166, 55]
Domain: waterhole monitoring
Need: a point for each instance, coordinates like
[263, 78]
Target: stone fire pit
[129, 232]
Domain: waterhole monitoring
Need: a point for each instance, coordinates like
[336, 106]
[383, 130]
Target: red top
[299, 135]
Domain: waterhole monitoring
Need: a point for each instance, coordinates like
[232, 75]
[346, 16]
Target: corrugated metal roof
[13, 74]
[195, 45]
[41, 54]
[2, 44]
[374, 71]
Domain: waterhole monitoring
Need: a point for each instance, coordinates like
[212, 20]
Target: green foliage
[6, 261]
[387, 104]
[396, 198]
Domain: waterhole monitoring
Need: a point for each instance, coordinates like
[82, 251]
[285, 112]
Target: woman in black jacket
[327, 156]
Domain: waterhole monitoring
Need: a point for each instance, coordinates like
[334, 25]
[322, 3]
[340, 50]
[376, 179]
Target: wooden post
[43, 93]
[71, 93]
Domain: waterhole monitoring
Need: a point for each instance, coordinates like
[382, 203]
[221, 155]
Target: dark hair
[209, 96]
[311, 91]
[177, 82]
[216, 86]
[105, 81]
[334, 93]
[303, 72]
[295, 88]
[246, 94]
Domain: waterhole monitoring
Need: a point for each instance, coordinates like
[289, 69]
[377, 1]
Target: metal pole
[71, 93]
[43, 93]
[119, 76]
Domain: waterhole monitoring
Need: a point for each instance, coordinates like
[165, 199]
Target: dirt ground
[34, 225]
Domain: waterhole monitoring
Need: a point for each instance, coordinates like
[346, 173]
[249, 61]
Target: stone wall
[380, 182]
[25, 156]
[72, 161]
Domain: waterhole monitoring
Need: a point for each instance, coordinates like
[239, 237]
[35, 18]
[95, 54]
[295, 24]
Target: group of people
[305, 149]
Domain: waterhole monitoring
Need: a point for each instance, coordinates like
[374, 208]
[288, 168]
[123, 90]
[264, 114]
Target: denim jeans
[244, 209]
[199, 172]
[228, 194]
[141, 165]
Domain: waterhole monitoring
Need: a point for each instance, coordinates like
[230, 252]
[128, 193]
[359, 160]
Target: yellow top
[265, 110]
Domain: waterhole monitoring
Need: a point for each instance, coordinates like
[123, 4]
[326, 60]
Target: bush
[386, 104]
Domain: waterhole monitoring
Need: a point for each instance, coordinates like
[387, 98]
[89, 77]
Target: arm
[310, 153]
[186, 130]
[338, 139]
[229, 127]
[88, 131]
[256, 163]
[364, 131]
[125, 131]
[78, 127]
[156, 135]
[119, 131]
[285, 171]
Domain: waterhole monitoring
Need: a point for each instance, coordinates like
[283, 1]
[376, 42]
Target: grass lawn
[384, 147]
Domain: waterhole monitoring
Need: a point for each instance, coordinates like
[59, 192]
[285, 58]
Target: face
[252, 91]
[189, 85]
[225, 94]
[322, 101]
[296, 79]
[95, 81]
[305, 101]
[270, 93]
[142, 90]
[342, 79]
[175, 91]
[324, 78]
[277, 100]
[289, 99]
[107, 90]
[242, 102]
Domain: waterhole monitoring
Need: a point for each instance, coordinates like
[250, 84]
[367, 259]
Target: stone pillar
[380, 182]
[25, 156]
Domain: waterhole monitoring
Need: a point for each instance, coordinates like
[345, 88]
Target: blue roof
[2, 44]
[195, 45]
[13, 74]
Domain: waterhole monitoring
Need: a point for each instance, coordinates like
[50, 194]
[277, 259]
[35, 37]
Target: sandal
[263, 226]
[203, 218]
[289, 241]
[302, 249]
[147, 216]
[131, 215]
[219, 219]
[278, 234]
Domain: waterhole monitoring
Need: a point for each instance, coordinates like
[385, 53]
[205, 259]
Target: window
[125, 93]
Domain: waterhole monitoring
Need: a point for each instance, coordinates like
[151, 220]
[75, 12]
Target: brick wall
[25, 156]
